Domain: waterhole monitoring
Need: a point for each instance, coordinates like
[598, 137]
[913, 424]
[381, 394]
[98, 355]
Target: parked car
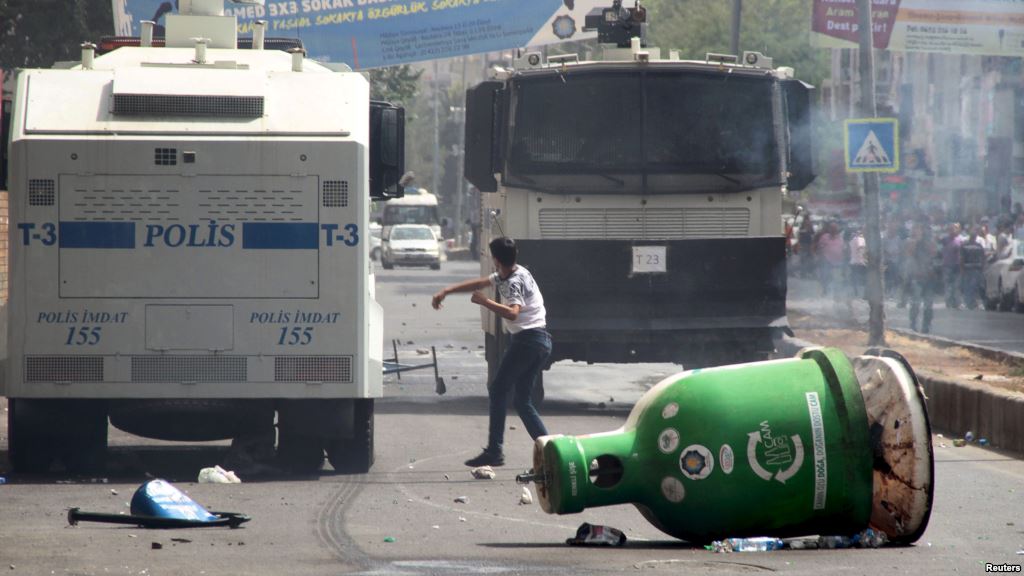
[1004, 280]
[411, 245]
[375, 242]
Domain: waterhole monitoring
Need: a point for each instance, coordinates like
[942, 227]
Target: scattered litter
[483, 473]
[156, 546]
[184, 540]
[3, 480]
[436, 527]
[969, 436]
[158, 504]
[461, 499]
[940, 435]
[422, 351]
[446, 477]
[595, 535]
[113, 492]
[982, 441]
[389, 538]
[610, 400]
[525, 499]
[409, 343]
[512, 427]
[959, 443]
[132, 536]
[1020, 552]
[869, 538]
[218, 475]
[943, 445]
[462, 518]
[756, 544]
[979, 377]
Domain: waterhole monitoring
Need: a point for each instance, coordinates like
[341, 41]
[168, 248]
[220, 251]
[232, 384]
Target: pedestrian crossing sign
[872, 145]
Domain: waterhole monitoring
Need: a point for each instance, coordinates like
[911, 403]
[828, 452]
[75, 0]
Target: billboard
[375, 33]
[977, 27]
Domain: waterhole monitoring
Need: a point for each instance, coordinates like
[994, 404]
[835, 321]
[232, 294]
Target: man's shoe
[487, 458]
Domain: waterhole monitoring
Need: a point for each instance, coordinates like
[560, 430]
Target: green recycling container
[778, 448]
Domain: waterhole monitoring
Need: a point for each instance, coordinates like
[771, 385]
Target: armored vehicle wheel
[299, 453]
[73, 430]
[354, 454]
[31, 449]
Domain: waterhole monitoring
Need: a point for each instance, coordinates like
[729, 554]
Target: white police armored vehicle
[189, 247]
[645, 194]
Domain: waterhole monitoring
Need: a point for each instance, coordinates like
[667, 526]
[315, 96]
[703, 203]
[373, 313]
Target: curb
[957, 407]
[1003, 356]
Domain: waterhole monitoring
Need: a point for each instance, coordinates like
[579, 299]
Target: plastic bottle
[760, 544]
[969, 436]
[831, 542]
[871, 538]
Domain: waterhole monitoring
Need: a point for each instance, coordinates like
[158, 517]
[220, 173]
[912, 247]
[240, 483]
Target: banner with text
[376, 33]
[979, 27]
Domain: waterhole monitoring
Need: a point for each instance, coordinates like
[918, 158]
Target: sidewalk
[957, 402]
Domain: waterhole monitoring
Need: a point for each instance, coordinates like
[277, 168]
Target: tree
[37, 33]
[395, 84]
[780, 29]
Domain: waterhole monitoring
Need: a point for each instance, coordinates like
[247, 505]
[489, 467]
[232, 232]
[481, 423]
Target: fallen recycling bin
[813, 444]
[158, 504]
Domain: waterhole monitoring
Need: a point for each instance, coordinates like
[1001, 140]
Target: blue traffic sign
[872, 145]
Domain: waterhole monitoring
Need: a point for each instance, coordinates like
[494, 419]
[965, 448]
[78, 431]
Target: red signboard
[839, 19]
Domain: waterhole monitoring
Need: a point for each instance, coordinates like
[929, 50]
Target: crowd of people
[922, 256]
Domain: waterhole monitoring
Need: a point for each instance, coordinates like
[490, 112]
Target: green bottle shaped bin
[808, 445]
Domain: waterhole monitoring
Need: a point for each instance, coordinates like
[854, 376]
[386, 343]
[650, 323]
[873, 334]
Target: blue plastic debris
[158, 504]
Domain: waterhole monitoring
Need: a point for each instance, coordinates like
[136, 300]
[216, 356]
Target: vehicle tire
[31, 449]
[436, 266]
[387, 265]
[84, 448]
[75, 431]
[298, 452]
[300, 436]
[355, 455]
[375, 254]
